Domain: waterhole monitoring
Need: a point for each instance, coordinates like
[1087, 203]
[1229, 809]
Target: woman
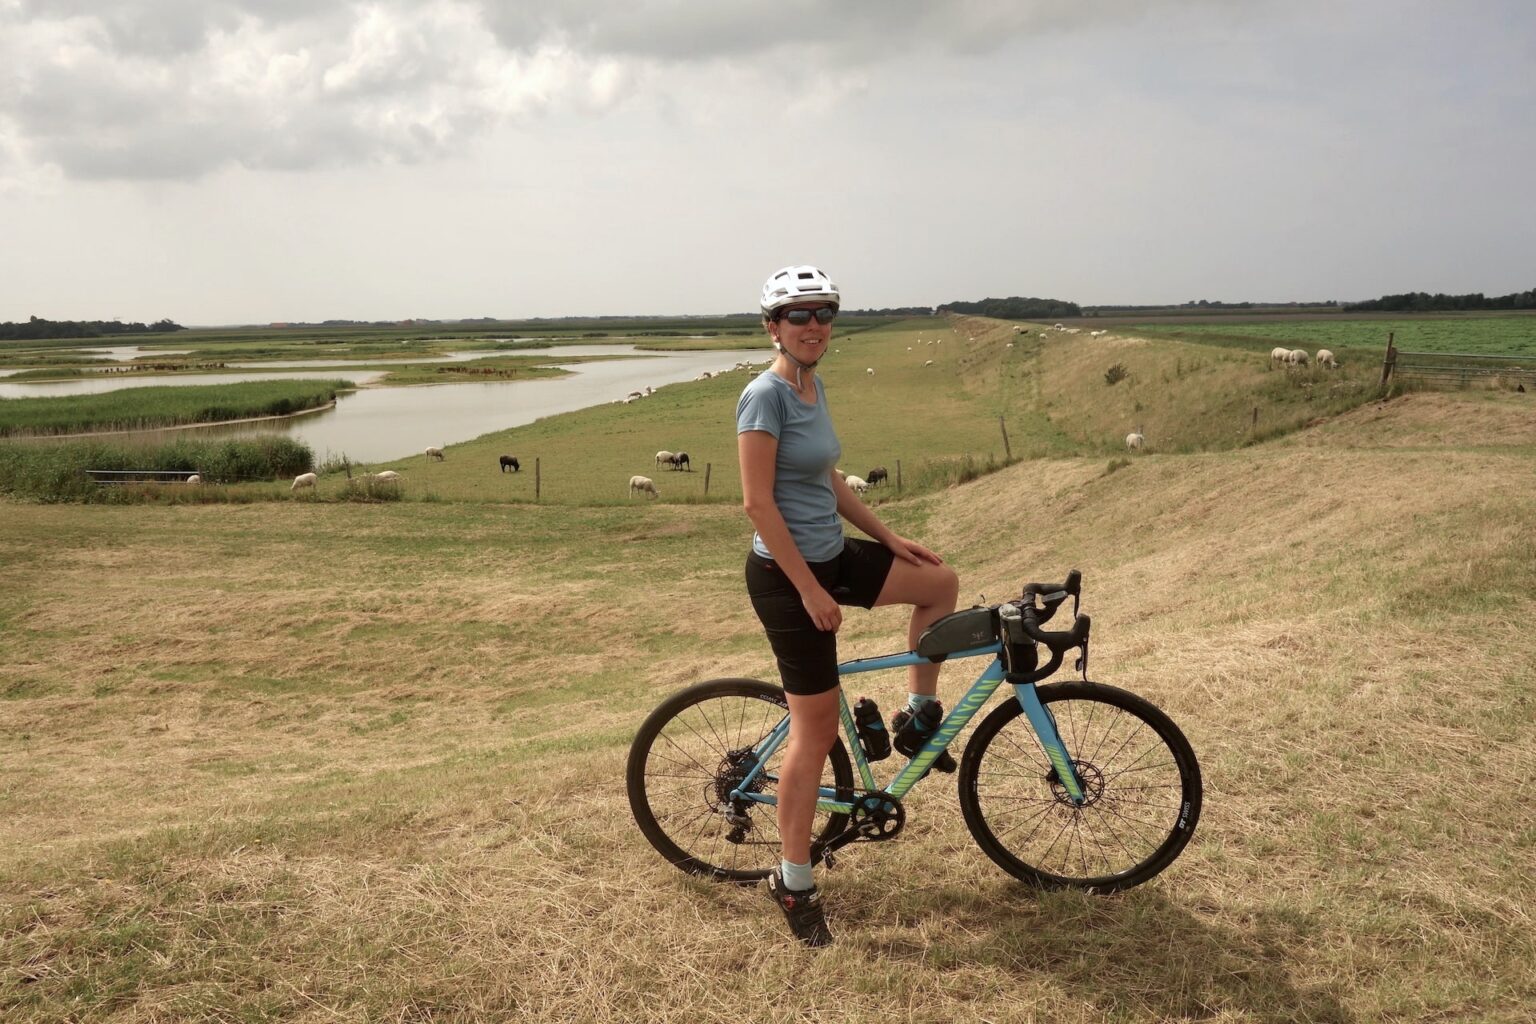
[802, 567]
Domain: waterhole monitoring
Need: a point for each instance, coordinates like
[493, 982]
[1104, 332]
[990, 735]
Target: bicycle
[1071, 785]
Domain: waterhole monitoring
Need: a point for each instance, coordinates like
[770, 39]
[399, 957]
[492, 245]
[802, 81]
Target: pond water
[381, 424]
[124, 353]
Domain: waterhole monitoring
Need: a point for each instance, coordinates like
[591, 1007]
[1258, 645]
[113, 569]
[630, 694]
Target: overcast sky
[248, 161]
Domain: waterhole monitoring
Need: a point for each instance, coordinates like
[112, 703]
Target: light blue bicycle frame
[989, 680]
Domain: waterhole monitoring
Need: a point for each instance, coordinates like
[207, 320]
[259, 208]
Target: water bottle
[871, 728]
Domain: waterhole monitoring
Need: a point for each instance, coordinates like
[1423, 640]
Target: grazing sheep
[878, 475]
[704, 376]
[194, 479]
[1297, 357]
[856, 484]
[680, 461]
[870, 370]
[389, 476]
[303, 480]
[643, 483]
[634, 394]
[435, 453]
[1325, 358]
[1279, 355]
[928, 363]
[663, 456]
[1134, 441]
[510, 460]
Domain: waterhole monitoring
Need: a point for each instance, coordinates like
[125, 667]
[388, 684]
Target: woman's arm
[758, 452]
[861, 515]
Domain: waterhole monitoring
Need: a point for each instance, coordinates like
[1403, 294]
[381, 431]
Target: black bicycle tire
[1182, 815]
[640, 803]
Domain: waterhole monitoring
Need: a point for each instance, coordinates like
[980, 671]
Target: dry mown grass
[365, 763]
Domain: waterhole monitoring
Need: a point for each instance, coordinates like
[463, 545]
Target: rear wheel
[1140, 775]
[691, 752]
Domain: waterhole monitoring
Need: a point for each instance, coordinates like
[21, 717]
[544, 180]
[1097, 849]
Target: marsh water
[381, 424]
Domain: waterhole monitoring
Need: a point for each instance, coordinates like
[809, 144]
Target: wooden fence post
[1007, 451]
[707, 467]
[1255, 418]
[1389, 361]
[537, 479]
[898, 476]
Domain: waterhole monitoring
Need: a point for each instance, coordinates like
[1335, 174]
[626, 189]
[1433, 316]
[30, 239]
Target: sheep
[1279, 355]
[510, 460]
[928, 363]
[877, 475]
[1297, 357]
[856, 484]
[663, 456]
[643, 483]
[194, 479]
[388, 476]
[633, 395]
[680, 461]
[1326, 358]
[870, 370]
[435, 453]
[704, 376]
[1134, 441]
[303, 480]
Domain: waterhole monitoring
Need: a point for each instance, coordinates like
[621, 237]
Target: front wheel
[691, 752]
[1140, 777]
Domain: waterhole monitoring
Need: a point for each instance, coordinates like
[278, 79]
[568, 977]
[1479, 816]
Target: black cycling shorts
[808, 656]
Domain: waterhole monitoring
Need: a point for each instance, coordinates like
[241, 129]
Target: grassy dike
[309, 761]
[938, 403]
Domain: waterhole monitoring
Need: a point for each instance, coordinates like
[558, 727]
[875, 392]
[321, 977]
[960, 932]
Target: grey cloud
[176, 88]
[688, 30]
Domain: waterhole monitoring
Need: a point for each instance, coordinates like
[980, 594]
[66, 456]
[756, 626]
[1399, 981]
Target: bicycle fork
[1044, 724]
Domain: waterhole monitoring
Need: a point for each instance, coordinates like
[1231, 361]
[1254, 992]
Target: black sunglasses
[801, 317]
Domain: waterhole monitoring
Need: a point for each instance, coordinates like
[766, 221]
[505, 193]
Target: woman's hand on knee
[912, 551]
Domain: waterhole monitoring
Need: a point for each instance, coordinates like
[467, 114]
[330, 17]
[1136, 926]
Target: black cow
[507, 460]
[877, 476]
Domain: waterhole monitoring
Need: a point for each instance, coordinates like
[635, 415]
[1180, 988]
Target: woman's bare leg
[812, 731]
[932, 590]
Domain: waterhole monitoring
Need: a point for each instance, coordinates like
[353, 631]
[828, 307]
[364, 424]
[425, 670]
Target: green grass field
[149, 407]
[1367, 339]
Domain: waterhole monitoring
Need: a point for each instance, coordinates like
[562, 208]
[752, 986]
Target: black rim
[688, 763]
[1141, 787]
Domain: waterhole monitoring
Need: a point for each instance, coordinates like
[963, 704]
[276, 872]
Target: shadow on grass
[1137, 954]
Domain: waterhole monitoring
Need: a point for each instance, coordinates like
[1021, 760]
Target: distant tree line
[1016, 308]
[37, 328]
[1419, 302]
[893, 311]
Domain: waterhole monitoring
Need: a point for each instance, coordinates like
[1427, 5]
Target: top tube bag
[958, 631]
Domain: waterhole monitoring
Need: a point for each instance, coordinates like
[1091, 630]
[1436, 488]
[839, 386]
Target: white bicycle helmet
[797, 284]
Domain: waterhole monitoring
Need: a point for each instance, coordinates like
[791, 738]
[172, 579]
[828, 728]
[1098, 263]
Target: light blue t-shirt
[808, 450]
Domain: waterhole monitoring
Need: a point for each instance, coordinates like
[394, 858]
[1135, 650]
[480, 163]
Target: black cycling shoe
[802, 908]
[910, 731]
